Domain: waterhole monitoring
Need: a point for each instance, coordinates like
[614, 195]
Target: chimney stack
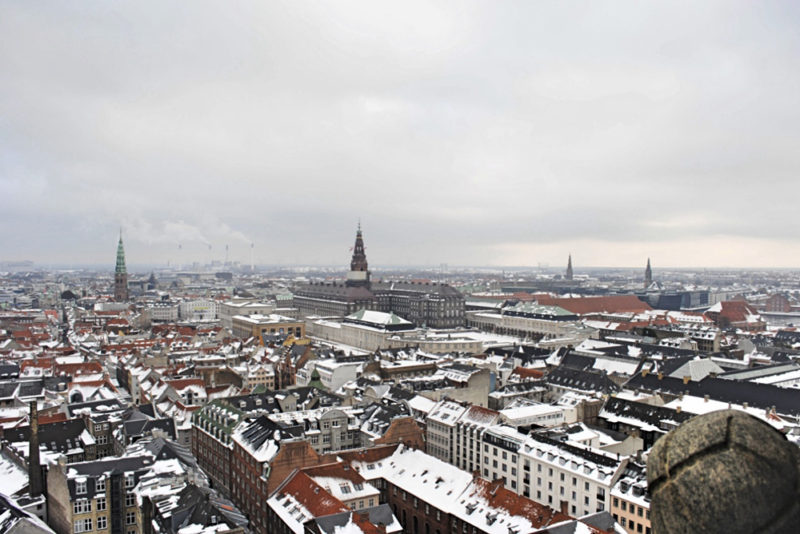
[34, 464]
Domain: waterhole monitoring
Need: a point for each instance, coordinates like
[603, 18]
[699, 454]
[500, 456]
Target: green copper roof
[120, 257]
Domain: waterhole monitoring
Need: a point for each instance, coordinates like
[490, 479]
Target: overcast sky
[491, 133]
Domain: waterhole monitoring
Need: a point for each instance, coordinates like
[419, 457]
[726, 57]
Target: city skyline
[462, 133]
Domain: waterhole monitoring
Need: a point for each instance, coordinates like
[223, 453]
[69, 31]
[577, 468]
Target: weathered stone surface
[724, 472]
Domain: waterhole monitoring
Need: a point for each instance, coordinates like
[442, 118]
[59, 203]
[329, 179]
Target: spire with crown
[359, 272]
[568, 275]
[120, 256]
[120, 274]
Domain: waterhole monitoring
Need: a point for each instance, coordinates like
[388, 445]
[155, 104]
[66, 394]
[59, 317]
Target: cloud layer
[459, 132]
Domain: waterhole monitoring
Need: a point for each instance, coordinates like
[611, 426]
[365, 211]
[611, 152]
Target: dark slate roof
[670, 365]
[166, 449]
[581, 452]
[9, 370]
[14, 517]
[581, 380]
[56, 383]
[111, 405]
[577, 361]
[649, 349]
[7, 389]
[115, 464]
[378, 515]
[135, 429]
[199, 506]
[600, 520]
[259, 401]
[137, 424]
[652, 415]
[788, 336]
[260, 430]
[398, 393]
[764, 396]
[425, 384]
[60, 436]
[378, 415]
[305, 393]
[33, 388]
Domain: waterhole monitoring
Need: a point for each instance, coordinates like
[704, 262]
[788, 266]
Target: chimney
[705, 397]
[660, 375]
[686, 379]
[645, 371]
[744, 405]
[678, 409]
[34, 465]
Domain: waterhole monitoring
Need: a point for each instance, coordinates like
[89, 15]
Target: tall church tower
[648, 275]
[568, 274]
[359, 274]
[120, 274]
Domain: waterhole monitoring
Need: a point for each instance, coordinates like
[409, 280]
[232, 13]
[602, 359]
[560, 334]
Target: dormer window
[80, 487]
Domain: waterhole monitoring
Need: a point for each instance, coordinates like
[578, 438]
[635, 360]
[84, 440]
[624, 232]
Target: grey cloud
[453, 129]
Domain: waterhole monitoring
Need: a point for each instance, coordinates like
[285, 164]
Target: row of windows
[85, 525]
[100, 484]
[640, 510]
[632, 525]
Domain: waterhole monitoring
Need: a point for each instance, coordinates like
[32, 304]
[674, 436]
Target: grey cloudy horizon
[467, 133]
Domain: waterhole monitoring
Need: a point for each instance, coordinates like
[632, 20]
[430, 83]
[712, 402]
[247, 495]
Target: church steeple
[120, 273]
[648, 275]
[359, 273]
[568, 275]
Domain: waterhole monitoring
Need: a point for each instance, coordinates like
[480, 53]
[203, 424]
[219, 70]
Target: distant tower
[359, 274]
[648, 275]
[568, 276]
[120, 274]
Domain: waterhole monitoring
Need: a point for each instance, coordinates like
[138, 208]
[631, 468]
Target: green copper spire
[120, 256]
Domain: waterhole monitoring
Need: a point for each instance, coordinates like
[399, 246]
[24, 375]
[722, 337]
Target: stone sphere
[725, 472]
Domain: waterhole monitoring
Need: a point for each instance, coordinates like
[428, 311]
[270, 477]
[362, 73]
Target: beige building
[80, 496]
[525, 319]
[630, 502]
[227, 310]
[261, 374]
[372, 330]
[246, 326]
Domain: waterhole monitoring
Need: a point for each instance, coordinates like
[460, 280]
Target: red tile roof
[590, 305]
[524, 372]
[497, 496]
[335, 470]
[311, 495]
